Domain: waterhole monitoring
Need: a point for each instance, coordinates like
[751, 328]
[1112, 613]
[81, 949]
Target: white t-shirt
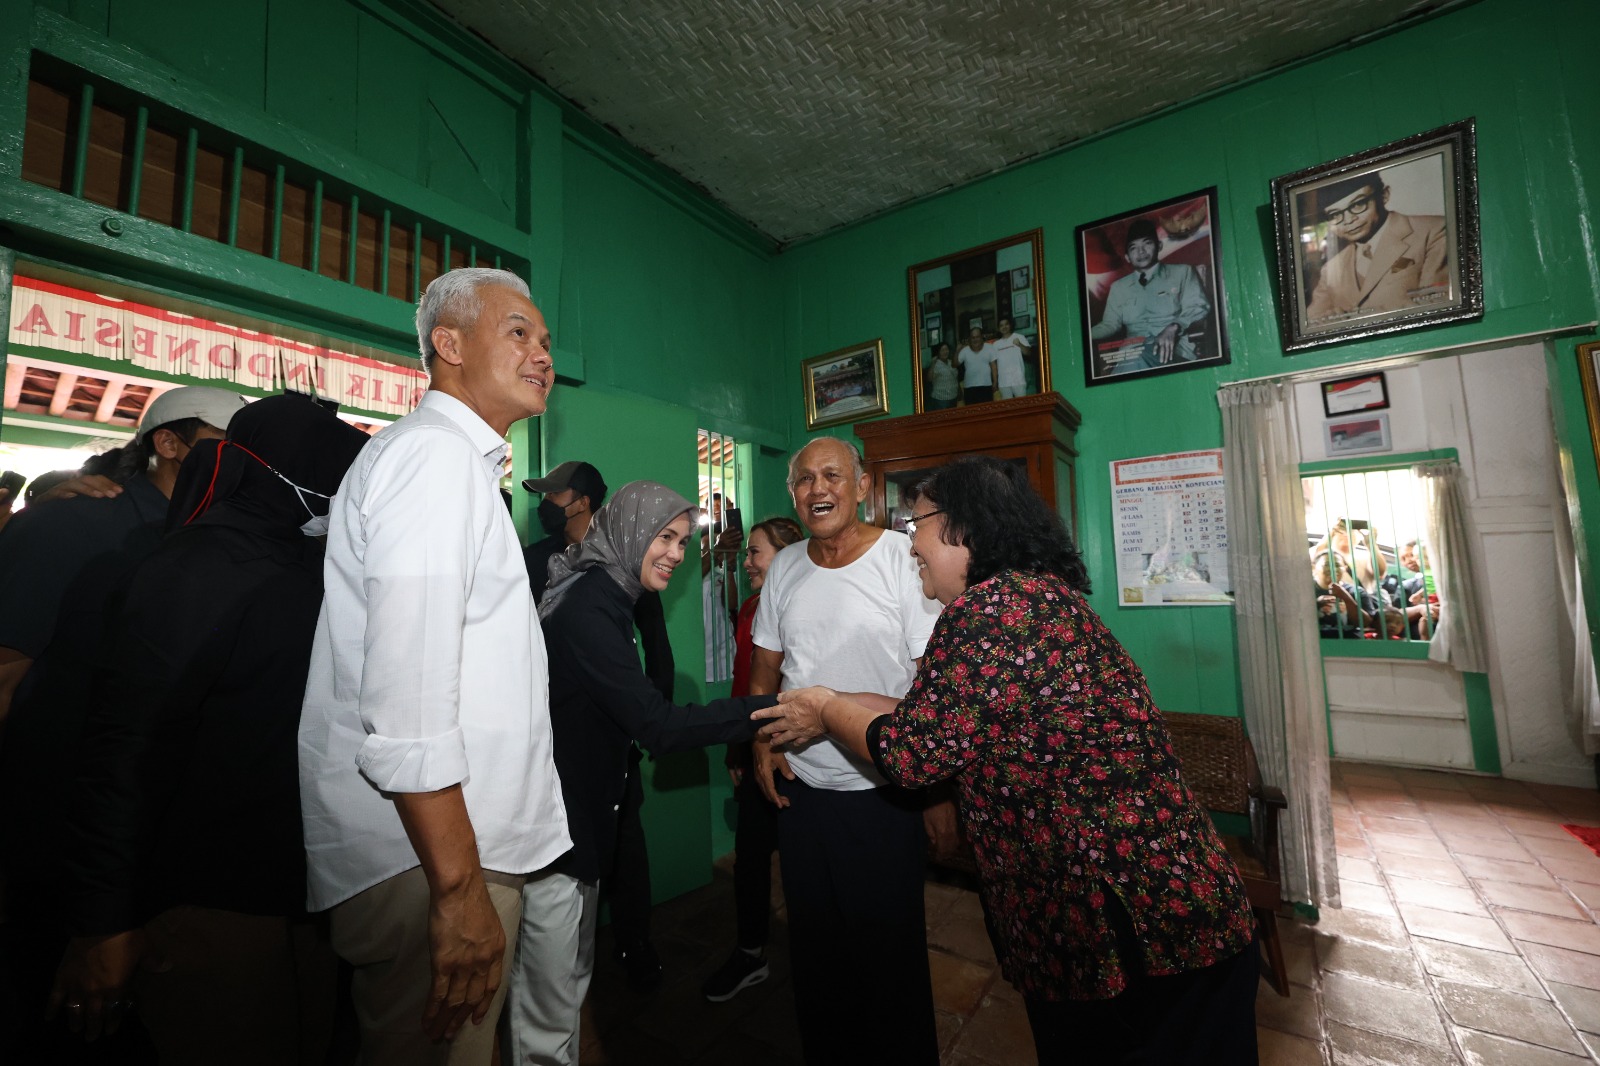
[976, 364]
[1011, 353]
[857, 628]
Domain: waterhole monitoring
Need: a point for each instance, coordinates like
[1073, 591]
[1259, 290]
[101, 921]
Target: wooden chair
[1219, 766]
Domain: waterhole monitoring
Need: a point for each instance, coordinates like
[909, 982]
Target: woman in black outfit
[600, 702]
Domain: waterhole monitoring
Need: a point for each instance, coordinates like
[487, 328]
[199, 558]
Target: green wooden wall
[671, 315]
[1523, 70]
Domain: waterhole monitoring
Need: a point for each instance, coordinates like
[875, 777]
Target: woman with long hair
[1112, 905]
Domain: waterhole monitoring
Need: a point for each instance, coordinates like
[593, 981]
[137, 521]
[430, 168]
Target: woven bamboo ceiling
[804, 116]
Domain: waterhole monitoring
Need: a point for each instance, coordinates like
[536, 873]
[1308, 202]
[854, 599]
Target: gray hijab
[617, 539]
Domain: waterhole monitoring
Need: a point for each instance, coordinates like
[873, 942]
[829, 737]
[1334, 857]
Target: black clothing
[536, 557]
[188, 773]
[1200, 1017]
[45, 547]
[188, 782]
[755, 838]
[601, 701]
[852, 866]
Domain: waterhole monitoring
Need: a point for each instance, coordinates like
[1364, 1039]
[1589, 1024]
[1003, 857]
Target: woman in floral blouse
[1113, 907]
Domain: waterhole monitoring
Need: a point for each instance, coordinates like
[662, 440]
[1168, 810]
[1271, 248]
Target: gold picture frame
[1589, 375]
[845, 385]
[978, 289]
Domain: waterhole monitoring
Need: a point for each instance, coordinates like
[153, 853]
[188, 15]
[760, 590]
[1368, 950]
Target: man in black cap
[572, 493]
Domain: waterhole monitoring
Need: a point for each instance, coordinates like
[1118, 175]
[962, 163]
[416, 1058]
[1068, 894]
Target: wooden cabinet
[1035, 431]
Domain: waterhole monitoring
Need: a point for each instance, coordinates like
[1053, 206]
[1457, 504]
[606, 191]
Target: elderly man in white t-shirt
[977, 360]
[845, 609]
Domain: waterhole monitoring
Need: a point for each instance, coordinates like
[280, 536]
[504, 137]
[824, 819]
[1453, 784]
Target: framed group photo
[1380, 241]
[978, 324]
[846, 385]
[1151, 285]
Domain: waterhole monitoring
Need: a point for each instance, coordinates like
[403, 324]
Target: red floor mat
[1590, 835]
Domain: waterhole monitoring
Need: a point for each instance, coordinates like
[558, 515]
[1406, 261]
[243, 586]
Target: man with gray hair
[845, 609]
[428, 786]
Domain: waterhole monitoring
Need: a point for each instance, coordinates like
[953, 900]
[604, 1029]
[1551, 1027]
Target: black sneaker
[734, 976]
[643, 966]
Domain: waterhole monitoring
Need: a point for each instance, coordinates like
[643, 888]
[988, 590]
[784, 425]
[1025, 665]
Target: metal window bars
[97, 142]
[1367, 536]
[721, 550]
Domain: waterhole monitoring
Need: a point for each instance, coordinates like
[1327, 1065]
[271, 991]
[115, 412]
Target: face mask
[552, 516]
[317, 524]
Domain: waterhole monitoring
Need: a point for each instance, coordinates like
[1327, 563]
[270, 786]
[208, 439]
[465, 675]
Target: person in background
[600, 704]
[1012, 352]
[977, 362]
[428, 788]
[183, 848]
[569, 497]
[755, 835]
[845, 607]
[1111, 902]
[45, 548]
[1349, 540]
[61, 562]
[943, 379]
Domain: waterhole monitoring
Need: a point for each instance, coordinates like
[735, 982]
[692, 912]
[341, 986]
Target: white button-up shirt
[428, 667]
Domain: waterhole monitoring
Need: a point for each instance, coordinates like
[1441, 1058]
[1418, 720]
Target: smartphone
[11, 484]
[1358, 523]
[733, 519]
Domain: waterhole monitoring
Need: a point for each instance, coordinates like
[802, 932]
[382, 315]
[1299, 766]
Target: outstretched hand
[797, 717]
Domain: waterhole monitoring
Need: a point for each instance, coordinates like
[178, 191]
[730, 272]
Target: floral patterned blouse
[1069, 791]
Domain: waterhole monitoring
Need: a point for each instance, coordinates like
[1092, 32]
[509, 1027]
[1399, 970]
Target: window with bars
[1367, 536]
[721, 547]
[98, 142]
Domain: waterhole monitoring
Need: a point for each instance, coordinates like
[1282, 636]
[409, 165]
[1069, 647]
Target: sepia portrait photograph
[1381, 241]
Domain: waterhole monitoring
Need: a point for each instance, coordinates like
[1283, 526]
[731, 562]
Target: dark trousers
[755, 838]
[628, 887]
[977, 394]
[852, 866]
[1199, 1018]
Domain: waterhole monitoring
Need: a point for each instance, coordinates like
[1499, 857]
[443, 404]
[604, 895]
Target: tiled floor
[1468, 935]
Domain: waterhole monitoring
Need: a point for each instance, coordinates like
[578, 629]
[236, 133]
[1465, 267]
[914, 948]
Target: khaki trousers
[383, 933]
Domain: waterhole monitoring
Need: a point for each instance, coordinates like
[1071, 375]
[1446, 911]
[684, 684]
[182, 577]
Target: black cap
[571, 475]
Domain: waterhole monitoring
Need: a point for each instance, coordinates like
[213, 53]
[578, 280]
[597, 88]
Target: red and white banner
[63, 319]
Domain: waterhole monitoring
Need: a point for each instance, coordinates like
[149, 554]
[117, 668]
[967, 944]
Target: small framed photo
[1381, 241]
[1365, 392]
[1151, 284]
[994, 344]
[931, 322]
[1589, 375]
[1356, 436]
[845, 385]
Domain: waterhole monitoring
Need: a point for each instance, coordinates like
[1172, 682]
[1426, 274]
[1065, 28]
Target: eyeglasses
[911, 523]
[1357, 207]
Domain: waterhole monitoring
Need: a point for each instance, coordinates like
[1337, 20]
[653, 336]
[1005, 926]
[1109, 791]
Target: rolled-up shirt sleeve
[421, 527]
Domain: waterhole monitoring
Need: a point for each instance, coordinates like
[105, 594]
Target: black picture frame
[1124, 325]
[1353, 395]
[1398, 253]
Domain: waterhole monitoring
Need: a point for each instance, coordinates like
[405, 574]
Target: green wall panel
[1499, 61]
[308, 46]
[219, 45]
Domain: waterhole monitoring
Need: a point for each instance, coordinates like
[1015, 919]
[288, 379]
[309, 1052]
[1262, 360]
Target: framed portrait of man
[1381, 241]
[978, 324]
[1151, 285]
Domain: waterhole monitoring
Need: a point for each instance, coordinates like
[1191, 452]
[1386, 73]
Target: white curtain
[1285, 705]
[1458, 637]
[1580, 691]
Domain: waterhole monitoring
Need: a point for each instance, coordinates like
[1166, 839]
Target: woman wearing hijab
[185, 882]
[600, 702]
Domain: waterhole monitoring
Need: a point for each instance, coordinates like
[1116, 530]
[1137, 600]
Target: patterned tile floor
[1468, 935]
